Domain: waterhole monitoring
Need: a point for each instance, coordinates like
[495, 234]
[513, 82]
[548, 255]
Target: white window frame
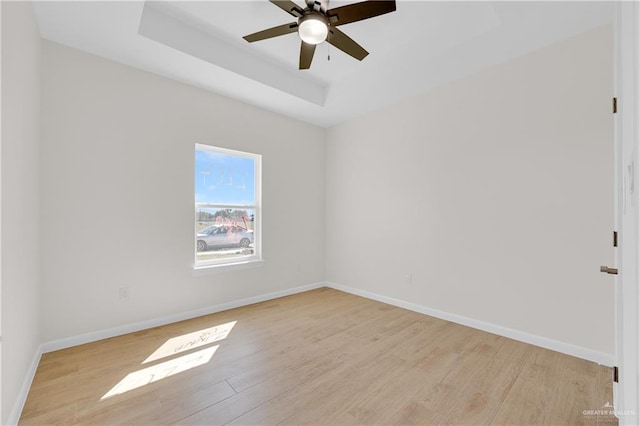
[236, 262]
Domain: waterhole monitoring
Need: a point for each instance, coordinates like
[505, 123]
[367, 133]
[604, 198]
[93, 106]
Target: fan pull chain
[328, 52]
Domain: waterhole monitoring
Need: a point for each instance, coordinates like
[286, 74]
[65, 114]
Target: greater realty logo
[607, 410]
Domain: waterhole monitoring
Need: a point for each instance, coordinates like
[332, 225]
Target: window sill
[226, 267]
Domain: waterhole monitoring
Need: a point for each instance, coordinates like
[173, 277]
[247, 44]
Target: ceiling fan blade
[345, 43]
[272, 32]
[306, 55]
[289, 7]
[359, 11]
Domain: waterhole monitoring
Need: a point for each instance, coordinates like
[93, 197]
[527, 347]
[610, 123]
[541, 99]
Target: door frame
[627, 206]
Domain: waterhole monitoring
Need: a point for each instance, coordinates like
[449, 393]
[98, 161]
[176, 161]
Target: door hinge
[615, 374]
[615, 238]
[615, 105]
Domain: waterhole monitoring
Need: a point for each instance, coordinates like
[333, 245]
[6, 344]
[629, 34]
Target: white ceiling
[422, 45]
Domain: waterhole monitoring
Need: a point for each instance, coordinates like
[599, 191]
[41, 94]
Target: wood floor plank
[241, 403]
[172, 409]
[531, 400]
[351, 373]
[450, 367]
[319, 357]
[351, 393]
[575, 389]
[121, 410]
[480, 400]
[64, 415]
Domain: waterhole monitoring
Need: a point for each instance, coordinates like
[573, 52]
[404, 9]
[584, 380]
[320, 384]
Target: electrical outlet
[123, 293]
[408, 279]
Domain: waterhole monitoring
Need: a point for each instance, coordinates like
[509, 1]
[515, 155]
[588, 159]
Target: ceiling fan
[316, 24]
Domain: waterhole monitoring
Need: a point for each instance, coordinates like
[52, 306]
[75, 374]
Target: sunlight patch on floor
[161, 371]
[193, 340]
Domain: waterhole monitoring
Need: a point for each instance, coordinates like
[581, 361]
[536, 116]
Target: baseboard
[16, 411]
[130, 328]
[554, 345]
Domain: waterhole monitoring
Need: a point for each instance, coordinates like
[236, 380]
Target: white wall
[118, 153]
[20, 198]
[495, 192]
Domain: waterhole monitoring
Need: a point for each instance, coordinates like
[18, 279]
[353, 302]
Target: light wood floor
[320, 357]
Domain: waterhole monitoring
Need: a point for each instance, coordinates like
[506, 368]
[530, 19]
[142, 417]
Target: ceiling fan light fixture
[313, 28]
[316, 23]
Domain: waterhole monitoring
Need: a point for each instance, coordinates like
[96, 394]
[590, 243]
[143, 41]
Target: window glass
[226, 207]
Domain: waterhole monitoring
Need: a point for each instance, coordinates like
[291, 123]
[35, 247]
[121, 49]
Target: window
[227, 206]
